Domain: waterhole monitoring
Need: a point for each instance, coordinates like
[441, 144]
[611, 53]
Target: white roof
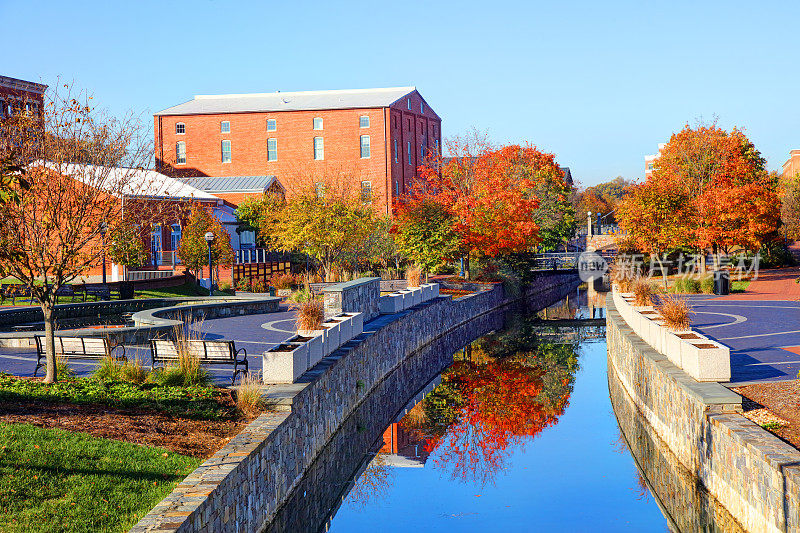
[289, 101]
[131, 182]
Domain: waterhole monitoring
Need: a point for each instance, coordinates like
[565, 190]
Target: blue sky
[600, 84]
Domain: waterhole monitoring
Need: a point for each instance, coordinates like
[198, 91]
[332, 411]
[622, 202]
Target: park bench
[13, 291]
[99, 292]
[68, 291]
[207, 352]
[79, 348]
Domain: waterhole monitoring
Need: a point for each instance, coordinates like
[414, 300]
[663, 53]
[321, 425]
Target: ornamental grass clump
[676, 312]
[283, 281]
[248, 395]
[642, 292]
[186, 371]
[111, 369]
[621, 276]
[413, 276]
[310, 315]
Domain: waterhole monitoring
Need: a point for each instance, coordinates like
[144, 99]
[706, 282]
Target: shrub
[310, 315]
[134, 372]
[707, 285]
[243, 284]
[224, 286]
[301, 295]
[676, 312]
[621, 276]
[413, 276]
[187, 370]
[692, 286]
[259, 286]
[686, 285]
[109, 370]
[642, 292]
[248, 395]
[283, 281]
[63, 370]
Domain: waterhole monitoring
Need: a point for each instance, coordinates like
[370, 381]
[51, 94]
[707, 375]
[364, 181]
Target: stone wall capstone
[357, 296]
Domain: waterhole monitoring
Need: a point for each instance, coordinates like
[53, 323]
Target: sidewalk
[771, 285]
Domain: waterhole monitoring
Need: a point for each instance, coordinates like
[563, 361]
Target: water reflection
[513, 431]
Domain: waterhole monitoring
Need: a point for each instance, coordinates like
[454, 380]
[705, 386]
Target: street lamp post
[103, 230]
[209, 240]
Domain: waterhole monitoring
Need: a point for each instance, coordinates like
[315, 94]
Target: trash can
[722, 282]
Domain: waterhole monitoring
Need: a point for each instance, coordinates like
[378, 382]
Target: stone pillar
[357, 296]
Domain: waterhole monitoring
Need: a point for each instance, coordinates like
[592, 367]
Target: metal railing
[259, 255]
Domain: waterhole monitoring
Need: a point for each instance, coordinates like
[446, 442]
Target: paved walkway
[254, 333]
[761, 326]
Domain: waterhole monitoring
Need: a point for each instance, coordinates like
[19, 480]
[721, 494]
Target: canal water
[518, 433]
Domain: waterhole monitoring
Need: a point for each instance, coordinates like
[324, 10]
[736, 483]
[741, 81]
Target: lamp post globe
[209, 236]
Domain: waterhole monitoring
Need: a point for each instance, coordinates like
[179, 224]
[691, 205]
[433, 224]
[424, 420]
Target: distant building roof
[289, 101]
[231, 183]
[21, 85]
[132, 182]
[567, 175]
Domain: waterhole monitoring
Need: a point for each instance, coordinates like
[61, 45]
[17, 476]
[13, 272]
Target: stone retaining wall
[241, 487]
[751, 472]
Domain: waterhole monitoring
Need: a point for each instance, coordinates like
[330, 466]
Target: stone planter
[315, 342]
[430, 291]
[345, 328]
[391, 303]
[672, 346]
[356, 323]
[333, 334]
[706, 360]
[285, 363]
[416, 295]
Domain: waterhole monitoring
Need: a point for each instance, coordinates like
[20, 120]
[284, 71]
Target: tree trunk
[466, 267]
[49, 343]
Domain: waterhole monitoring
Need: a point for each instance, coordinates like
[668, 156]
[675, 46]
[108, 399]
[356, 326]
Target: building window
[180, 153]
[408, 103]
[366, 192]
[319, 190]
[225, 126]
[410, 154]
[180, 128]
[422, 107]
[175, 238]
[364, 146]
[317, 123]
[247, 239]
[155, 245]
[319, 148]
[396, 155]
[272, 149]
[272, 124]
[422, 150]
[226, 151]
[397, 188]
[363, 121]
[436, 145]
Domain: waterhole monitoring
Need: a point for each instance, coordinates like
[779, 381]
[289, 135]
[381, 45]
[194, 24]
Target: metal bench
[99, 292]
[13, 291]
[78, 348]
[207, 352]
[69, 291]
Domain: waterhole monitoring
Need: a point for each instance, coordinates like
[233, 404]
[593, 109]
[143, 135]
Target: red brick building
[17, 96]
[375, 139]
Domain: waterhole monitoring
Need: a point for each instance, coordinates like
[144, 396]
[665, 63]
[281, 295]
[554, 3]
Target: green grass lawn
[55, 480]
[739, 286]
[180, 291]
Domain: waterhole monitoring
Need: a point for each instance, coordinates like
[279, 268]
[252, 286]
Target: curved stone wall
[241, 487]
[751, 472]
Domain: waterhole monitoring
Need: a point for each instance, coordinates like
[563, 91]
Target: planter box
[430, 291]
[345, 328]
[356, 323]
[315, 344]
[408, 299]
[416, 295]
[706, 361]
[391, 303]
[333, 334]
[672, 346]
[285, 363]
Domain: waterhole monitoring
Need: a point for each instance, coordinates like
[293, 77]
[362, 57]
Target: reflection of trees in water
[620, 446]
[501, 391]
[373, 484]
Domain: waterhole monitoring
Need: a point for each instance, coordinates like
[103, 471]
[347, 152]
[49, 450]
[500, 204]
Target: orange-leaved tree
[709, 188]
[52, 233]
[491, 193]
